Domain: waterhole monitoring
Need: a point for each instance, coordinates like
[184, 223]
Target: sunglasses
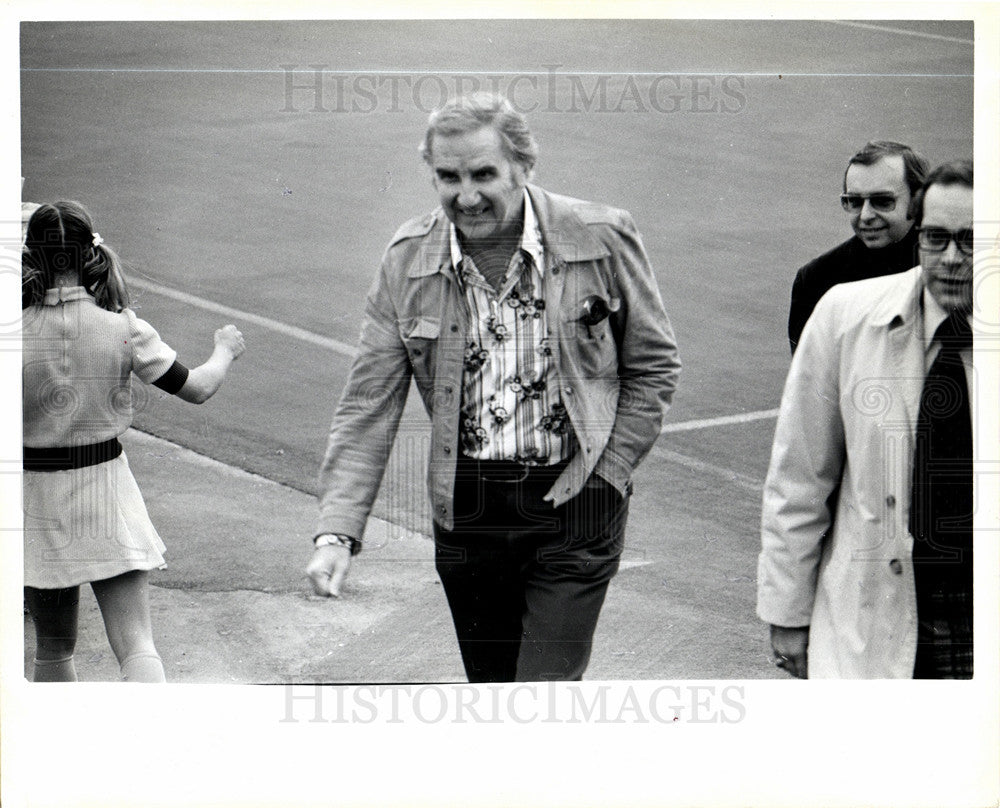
[937, 239]
[883, 202]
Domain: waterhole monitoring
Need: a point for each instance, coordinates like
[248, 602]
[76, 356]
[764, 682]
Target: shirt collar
[531, 238]
[934, 315]
[65, 294]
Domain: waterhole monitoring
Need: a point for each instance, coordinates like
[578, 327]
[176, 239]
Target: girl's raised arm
[204, 380]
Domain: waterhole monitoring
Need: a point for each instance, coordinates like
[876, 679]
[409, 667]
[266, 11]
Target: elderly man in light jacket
[534, 330]
[848, 601]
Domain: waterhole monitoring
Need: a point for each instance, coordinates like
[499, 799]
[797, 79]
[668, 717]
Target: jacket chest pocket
[421, 339]
[586, 331]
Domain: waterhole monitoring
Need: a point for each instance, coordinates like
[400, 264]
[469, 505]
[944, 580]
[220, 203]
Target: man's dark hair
[915, 165]
[956, 172]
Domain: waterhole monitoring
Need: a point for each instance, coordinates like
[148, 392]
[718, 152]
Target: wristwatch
[352, 544]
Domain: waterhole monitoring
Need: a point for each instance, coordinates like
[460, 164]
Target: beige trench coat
[848, 417]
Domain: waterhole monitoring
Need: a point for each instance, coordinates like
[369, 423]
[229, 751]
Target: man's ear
[523, 174]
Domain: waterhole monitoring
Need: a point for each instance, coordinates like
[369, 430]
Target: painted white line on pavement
[292, 331]
[627, 565]
[350, 351]
[904, 31]
[744, 481]
[723, 420]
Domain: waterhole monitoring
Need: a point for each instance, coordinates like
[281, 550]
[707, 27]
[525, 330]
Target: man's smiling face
[878, 228]
[481, 189]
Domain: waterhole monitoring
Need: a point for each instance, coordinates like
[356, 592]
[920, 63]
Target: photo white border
[799, 743]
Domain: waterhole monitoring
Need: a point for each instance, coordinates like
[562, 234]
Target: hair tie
[97, 240]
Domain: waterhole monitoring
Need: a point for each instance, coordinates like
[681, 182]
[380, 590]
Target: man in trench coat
[870, 600]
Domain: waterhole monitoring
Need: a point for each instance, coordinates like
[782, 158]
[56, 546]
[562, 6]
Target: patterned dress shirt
[511, 406]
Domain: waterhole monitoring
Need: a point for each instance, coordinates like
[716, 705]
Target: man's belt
[508, 471]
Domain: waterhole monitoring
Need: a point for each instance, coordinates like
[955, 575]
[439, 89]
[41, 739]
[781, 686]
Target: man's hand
[790, 646]
[328, 568]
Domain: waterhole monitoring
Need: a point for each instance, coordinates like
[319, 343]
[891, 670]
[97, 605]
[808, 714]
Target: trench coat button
[890, 501]
[416, 352]
[896, 566]
[454, 328]
[442, 509]
[447, 450]
[555, 269]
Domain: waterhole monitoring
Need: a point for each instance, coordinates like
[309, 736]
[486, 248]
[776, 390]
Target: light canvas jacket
[848, 416]
[616, 378]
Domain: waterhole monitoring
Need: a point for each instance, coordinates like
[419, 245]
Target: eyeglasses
[883, 202]
[937, 239]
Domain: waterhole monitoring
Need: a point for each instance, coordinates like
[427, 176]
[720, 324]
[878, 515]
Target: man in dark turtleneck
[879, 183]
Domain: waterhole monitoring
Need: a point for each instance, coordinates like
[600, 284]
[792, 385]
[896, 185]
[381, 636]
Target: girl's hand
[230, 337]
[204, 381]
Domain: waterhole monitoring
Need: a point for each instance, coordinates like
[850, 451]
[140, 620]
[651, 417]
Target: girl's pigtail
[32, 281]
[102, 276]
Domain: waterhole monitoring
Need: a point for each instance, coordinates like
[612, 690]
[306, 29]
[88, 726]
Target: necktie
[941, 497]
[941, 513]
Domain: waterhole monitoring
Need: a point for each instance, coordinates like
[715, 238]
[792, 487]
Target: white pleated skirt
[86, 524]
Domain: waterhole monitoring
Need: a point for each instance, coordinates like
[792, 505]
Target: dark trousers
[525, 581]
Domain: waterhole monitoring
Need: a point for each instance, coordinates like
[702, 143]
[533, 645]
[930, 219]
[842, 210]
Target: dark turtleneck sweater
[850, 261]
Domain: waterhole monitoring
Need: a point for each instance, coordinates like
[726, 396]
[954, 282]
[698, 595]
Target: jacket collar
[903, 306]
[565, 236]
[65, 294]
[564, 233]
[900, 314]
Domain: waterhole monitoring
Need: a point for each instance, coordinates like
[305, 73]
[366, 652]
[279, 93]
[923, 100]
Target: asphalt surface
[238, 192]
[233, 605]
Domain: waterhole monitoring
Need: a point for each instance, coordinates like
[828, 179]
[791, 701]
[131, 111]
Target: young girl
[84, 518]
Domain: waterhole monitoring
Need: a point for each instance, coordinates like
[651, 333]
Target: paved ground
[233, 605]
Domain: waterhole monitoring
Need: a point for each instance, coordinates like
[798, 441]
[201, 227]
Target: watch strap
[352, 544]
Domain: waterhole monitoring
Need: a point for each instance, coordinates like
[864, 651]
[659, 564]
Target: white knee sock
[55, 670]
[143, 668]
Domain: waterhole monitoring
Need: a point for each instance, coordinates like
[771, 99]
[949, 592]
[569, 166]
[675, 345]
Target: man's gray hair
[467, 113]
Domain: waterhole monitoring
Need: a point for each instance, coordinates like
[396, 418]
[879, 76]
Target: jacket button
[890, 501]
[568, 391]
[416, 352]
[896, 566]
[447, 450]
[454, 328]
[555, 269]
